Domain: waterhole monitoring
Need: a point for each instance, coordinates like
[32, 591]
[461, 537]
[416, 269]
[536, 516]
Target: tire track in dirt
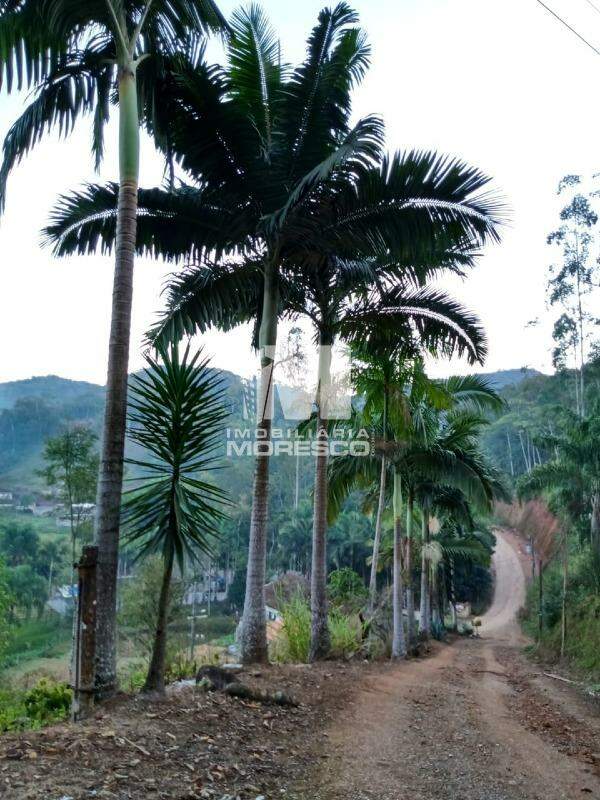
[459, 725]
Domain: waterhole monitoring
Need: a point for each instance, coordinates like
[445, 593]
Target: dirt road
[474, 722]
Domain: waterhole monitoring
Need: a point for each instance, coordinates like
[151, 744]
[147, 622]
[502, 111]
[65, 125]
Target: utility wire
[566, 24]
[593, 5]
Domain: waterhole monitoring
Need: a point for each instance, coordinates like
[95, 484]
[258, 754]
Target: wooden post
[540, 600]
[85, 636]
[563, 626]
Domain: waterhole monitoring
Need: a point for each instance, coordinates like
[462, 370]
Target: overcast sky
[498, 82]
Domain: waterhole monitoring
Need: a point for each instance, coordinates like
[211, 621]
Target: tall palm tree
[258, 142]
[369, 303]
[285, 183]
[451, 458]
[80, 56]
[177, 417]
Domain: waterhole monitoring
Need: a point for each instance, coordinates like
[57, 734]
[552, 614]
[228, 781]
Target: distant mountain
[48, 387]
[509, 377]
[34, 409]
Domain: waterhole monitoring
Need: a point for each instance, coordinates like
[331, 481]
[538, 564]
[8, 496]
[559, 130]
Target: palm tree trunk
[410, 594]
[436, 610]
[425, 609]
[155, 680]
[399, 639]
[319, 633]
[110, 481]
[253, 634]
[377, 538]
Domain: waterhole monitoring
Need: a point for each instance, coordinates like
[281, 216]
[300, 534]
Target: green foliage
[48, 637]
[139, 608]
[5, 604]
[295, 639]
[346, 587]
[48, 702]
[293, 644]
[215, 627]
[179, 667]
[44, 704]
[176, 416]
[71, 465]
[582, 646]
[346, 633]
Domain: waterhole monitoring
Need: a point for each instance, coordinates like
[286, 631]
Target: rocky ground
[472, 721]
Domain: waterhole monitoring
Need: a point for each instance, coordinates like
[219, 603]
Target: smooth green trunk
[319, 634]
[399, 639]
[108, 504]
[253, 631]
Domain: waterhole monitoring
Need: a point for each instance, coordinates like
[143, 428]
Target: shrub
[179, 668]
[295, 631]
[48, 702]
[346, 634]
[13, 715]
[345, 587]
[294, 643]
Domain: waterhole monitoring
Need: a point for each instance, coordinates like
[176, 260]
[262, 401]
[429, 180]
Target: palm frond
[255, 72]
[439, 324]
[184, 224]
[72, 89]
[176, 417]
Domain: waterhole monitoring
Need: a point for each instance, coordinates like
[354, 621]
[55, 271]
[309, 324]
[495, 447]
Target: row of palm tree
[428, 451]
[279, 205]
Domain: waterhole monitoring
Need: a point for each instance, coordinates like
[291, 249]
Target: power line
[566, 24]
[593, 5]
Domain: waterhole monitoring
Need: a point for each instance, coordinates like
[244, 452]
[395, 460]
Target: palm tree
[79, 55]
[259, 142]
[284, 182]
[176, 416]
[451, 458]
[370, 302]
[432, 441]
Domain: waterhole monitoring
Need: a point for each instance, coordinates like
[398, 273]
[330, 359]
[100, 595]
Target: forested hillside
[34, 409]
[537, 406]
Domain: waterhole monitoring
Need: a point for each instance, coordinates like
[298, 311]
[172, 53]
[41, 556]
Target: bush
[13, 715]
[294, 643]
[346, 587]
[346, 634]
[295, 638]
[179, 668]
[48, 702]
